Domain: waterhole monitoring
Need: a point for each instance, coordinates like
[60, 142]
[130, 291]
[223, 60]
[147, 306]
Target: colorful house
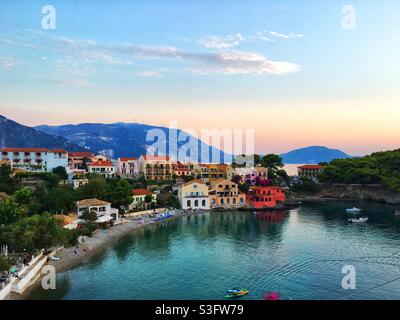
[194, 195]
[127, 167]
[210, 173]
[35, 159]
[154, 167]
[102, 167]
[311, 171]
[103, 209]
[262, 197]
[226, 194]
[250, 175]
[138, 197]
[80, 159]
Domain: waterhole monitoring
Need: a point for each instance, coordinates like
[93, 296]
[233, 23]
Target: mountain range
[126, 140]
[13, 134]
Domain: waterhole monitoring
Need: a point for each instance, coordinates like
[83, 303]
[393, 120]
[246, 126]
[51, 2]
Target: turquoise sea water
[299, 253]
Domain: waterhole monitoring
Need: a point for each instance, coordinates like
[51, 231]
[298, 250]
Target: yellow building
[212, 172]
[155, 167]
[225, 194]
[194, 195]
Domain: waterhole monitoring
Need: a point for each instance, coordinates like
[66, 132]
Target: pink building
[127, 167]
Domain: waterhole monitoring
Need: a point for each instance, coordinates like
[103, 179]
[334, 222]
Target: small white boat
[353, 210]
[358, 220]
[53, 258]
[397, 213]
[255, 212]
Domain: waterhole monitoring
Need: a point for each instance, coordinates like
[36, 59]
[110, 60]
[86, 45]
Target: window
[203, 203]
[196, 203]
[189, 204]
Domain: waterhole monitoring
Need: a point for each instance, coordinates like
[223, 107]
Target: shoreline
[100, 241]
[104, 239]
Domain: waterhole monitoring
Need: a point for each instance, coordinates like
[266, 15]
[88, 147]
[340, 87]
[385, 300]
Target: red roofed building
[311, 171]
[154, 167]
[138, 197]
[102, 167]
[265, 197]
[80, 159]
[35, 159]
[127, 167]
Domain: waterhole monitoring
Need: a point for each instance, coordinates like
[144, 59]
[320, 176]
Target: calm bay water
[298, 253]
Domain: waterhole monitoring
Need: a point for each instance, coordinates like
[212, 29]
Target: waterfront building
[35, 159]
[226, 194]
[79, 159]
[311, 171]
[247, 175]
[138, 197]
[104, 168]
[210, 172]
[180, 169]
[266, 196]
[103, 209]
[127, 167]
[251, 175]
[194, 195]
[155, 167]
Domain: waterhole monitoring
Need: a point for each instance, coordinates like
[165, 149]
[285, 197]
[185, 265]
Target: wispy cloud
[216, 42]
[229, 41]
[69, 82]
[151, 73]
[76, 59]
[237, 62]
[8, 63]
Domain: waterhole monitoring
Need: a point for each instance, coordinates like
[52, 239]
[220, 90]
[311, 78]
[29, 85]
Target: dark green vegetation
[377, 168]
[29, 202]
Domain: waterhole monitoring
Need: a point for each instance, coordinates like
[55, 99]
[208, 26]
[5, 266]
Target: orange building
[262, 197]
[226, 194]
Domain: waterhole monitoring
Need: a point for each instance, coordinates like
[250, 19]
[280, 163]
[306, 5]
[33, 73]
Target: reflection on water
[298, 253]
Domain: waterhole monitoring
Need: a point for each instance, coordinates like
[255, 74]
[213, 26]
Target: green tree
[7, 182]
[59, 199]
[5, 264]
[120, 193]
[95, 188]
[244, 187]
[37, 232]
[305, 184]
[10, 211]
[89, 216]
[61, 172]
[23, 196]
[148, 198]
[272, 161]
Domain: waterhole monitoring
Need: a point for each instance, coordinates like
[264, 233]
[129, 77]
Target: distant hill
[313, 154]
[13, 134]
[117, 139]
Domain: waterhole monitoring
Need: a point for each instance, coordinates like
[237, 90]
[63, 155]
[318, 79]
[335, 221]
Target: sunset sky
[288, 69]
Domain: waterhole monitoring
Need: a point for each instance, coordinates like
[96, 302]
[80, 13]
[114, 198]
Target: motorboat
[353, 210]
[53, 258]
[358, 220]
[235, 293]
[272, 296]
[397, 213]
